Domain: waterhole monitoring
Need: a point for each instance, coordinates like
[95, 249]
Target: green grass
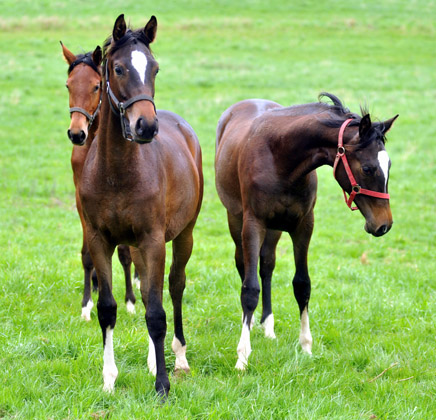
[365, 318]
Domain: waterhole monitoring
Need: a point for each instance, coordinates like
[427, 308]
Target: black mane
[86, 59]
[340, 114]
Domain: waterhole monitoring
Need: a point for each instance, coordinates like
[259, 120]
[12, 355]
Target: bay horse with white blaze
[266, 157]
[84, 89]
[142, 185]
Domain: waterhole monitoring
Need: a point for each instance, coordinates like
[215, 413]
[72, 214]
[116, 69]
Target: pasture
[373, 299]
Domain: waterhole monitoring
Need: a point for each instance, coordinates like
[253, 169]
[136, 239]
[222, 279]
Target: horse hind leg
[126, 262]
[182, 249]
[301, 282]
[88, 266]
[266, 268]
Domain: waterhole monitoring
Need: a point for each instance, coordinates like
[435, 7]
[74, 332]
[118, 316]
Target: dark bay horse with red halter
[142, 185]
[266, 157]
[84, 89]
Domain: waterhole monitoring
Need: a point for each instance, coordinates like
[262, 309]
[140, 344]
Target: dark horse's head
[369, 164]
[84, 89]
[130, 71]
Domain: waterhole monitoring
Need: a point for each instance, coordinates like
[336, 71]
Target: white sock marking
[86, 310]
[268, 326]
[139, 62]
[130, 306]
[151, 359]
[383, 159]
[137, 282]
[244, 347]
[110, 371]
[251, 322]
[305, 335]
[180, 352]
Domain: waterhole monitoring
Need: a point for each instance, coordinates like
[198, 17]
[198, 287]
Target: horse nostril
[69, 135]
[82, 136]
[140, 126]
[382, 230]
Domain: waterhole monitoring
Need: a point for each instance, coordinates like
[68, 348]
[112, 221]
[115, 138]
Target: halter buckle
[356, 189]
[341, 150]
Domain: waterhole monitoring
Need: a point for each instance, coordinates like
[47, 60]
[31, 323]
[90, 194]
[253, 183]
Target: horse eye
[118, 71]
[97, 88]
[367, 170]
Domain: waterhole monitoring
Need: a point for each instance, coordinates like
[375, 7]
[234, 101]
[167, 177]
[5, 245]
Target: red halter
[355, 187]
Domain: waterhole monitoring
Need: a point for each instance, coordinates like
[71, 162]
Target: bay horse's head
[362, 170]
[130, 71]
[84, 88]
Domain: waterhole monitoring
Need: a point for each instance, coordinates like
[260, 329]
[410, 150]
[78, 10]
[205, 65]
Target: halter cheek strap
[355, 187]
[84, 112]
[119, 108]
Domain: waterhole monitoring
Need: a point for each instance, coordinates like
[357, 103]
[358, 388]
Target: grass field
[373, 306]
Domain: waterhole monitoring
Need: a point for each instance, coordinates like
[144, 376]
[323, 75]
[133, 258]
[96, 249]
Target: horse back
[233, 133]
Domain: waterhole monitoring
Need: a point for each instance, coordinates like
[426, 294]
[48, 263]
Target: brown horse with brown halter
[266, 157]
[142, 185]
[84, 89]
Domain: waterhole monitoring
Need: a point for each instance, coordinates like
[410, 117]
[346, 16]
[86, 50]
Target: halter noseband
[86, 59]
[355, 187]
[119, 108]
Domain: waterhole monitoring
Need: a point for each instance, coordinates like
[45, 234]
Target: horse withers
[266, 157]
[142, 185]
[85, 90]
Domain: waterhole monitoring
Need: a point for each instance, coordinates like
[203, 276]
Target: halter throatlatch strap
[355, 187]
[119, 108]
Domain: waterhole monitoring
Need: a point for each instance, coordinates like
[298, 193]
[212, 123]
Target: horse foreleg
[88, 266]
[252, 236]
[301, 282]
[101, 252]
[153, 256]
[182, 249]
[126, 262]
[266, 268]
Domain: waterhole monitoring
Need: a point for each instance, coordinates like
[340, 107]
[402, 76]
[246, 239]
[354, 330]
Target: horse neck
[305, 145]
[113, 149]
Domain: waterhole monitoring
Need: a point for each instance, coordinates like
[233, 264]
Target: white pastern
[251, 322]
[244, 347]
[180, 352]
[305, 335]
[137, 282]
[130, 306]
[268, 326]
[139, 62]
[110, 371]
[383, 159]
[86, 310]
[151, 359]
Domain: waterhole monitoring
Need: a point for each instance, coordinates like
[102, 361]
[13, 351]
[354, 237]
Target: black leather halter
[86, 59]
[119, 108]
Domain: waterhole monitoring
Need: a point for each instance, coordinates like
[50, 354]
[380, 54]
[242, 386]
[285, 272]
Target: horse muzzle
[77, 137]
[144, 131]
[378, 229]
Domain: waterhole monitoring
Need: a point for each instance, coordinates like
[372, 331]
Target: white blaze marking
[151, 359]
[244, 347]
[110, 371]
[268, 326]
[305, 335]
[180, 352]
[383, 160]
[86, 310]
[139, 62]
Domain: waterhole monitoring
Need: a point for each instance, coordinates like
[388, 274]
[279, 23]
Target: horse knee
[249, 297]
[107, 312]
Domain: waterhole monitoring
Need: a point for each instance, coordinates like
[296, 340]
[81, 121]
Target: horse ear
[119, 28]
[365, 126]
[69, 57]
[97, 56]
[151, 29]
[386, 125]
